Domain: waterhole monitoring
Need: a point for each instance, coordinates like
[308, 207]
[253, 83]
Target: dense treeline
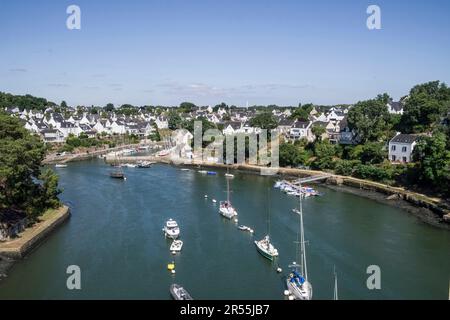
[28, 102]
[23, 185]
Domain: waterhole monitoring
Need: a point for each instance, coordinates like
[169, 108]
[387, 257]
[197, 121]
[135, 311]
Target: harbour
[114, 235]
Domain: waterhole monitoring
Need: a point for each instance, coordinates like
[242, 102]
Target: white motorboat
[226, 209]
[228, 174]
[171, 229]
[176, 246]
[60, 165]
[179, 293]
[278, 184]
[144, 164]
[266, 248]
[202, 171]
[297, 282]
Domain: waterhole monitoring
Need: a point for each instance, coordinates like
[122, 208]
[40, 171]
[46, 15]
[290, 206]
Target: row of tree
[23, 183]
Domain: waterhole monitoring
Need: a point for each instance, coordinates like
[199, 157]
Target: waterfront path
[53, 158]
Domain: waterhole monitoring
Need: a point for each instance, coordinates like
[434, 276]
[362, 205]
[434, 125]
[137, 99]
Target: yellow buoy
[171, 266]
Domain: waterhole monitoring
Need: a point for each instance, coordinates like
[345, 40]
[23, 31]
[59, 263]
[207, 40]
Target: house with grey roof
[401, 147]
[395, 107]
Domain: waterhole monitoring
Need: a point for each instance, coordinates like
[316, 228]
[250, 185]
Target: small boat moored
[176, 246]
[60, 165]
[179, 293]
[171, 229]
[144, 164]
[266, 248]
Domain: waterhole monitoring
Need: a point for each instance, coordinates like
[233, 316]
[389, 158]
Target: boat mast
[302, 240]
[228, 191]
[268, 215]
[335, 297]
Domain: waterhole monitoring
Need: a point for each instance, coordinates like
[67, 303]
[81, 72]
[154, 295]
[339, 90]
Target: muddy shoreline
[423, 214]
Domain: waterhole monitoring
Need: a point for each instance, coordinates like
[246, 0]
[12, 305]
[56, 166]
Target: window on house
[393, 158]
[393, 148]
[403, 149]
[404, 159]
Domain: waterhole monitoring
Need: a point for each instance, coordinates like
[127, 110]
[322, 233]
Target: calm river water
[115, 236]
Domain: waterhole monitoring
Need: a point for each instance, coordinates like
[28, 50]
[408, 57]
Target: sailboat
[264, 246]
[335, 296]
[117, 173]
[226, 208]
[297, 282]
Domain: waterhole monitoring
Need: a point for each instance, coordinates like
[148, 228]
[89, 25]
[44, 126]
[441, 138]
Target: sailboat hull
[300, 292]
[263, 252]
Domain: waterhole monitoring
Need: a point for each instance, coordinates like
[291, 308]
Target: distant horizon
[261, 52]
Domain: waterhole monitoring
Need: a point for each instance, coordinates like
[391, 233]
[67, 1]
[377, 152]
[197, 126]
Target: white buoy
[214, 200]
[236, 220]
[174, 252]
[173, 271]
[251, 230]
[286, 292]
[291, 298]
[206, 196]
[279, 270]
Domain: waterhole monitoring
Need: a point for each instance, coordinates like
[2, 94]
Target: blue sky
[261, 51]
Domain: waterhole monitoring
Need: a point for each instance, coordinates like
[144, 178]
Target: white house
[231, 127]
[401, 147]
[300, 130]
[395, 107]
[52, 135]
[118, 127]
[162, 123]
[67, 128]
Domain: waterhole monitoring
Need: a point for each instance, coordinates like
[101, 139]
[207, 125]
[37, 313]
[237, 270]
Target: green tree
[264, 120]
[63, 105]
[109, 107]
[324, 153]
[369, 153]
[318, 131]
[292, 155]
[21, 184]
[433, 158]
[425, 106]
[302, 112]
[369, 119]
[174, 120]
[186, 107]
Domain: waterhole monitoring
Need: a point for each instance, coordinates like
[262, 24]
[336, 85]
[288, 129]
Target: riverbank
[80, 156]
[34, 235]
[432, 210]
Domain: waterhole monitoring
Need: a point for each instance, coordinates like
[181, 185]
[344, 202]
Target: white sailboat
[226, 208]
[264, 246]
[297, 282]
